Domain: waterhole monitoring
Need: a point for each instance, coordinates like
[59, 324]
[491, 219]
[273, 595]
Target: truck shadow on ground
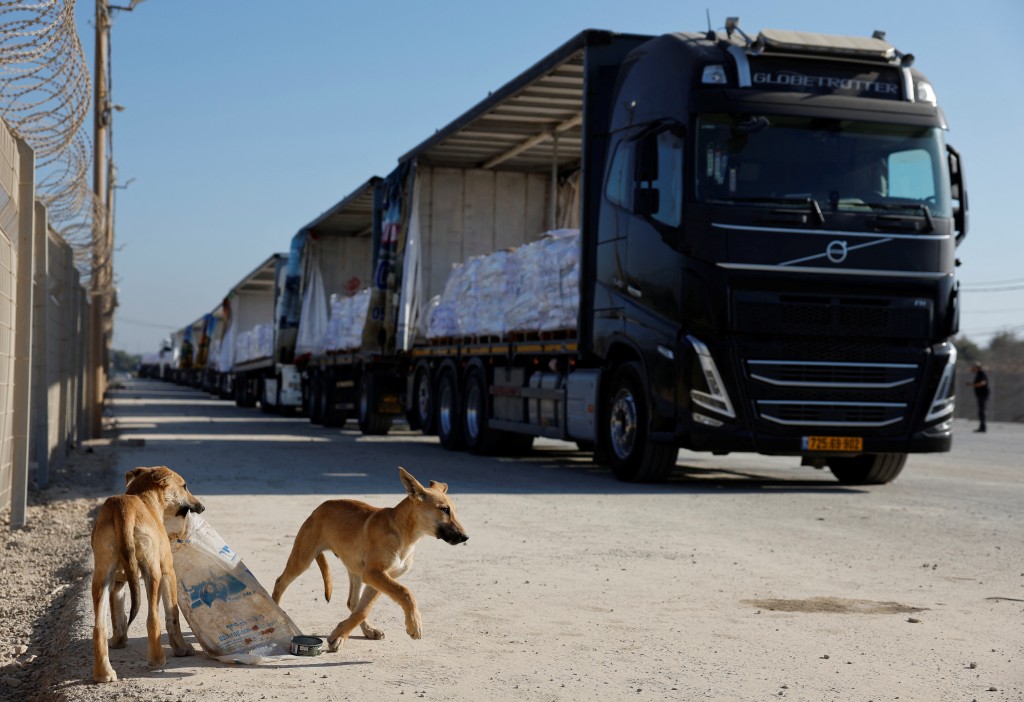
[223, 449]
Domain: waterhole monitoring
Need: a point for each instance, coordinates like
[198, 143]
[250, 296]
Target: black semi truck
[768, 231]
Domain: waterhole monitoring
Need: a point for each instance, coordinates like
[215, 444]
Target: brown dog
[376, 545]
[130, 541]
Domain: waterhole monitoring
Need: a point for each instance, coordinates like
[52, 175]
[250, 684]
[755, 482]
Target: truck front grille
[794, 392]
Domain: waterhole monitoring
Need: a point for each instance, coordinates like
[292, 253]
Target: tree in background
[124, 362]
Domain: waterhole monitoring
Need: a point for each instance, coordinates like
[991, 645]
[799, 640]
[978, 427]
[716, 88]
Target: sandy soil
[744, 578]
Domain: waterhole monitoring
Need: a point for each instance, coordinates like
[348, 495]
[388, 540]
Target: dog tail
[325, 570]
[129, 562]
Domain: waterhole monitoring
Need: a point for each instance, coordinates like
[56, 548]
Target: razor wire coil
[45, 98]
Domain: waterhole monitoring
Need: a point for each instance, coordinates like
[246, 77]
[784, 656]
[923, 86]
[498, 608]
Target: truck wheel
[316, 400]
[239, 391]
[867, 469]
[625, 428]
[333, 417]
[423, 415]
[479, 436]
[449, 424]
[371, 422]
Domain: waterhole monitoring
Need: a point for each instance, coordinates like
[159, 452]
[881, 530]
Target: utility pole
[101, 230]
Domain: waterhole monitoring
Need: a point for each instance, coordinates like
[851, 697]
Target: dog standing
[129, 541]
[376, 545]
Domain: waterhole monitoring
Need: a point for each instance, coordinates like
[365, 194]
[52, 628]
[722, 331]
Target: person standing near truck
[981, 392]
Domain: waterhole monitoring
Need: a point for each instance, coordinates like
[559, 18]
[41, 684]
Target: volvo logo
[836, 251]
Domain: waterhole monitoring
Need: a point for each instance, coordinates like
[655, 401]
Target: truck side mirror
[958, 191]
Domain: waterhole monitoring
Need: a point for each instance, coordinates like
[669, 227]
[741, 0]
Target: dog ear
[133, 474]
[163, 475]
[412, 486]
[443, 487]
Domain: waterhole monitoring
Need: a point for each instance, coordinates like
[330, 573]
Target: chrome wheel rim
[623, 421]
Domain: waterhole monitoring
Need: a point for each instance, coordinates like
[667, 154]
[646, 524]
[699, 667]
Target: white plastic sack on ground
[230, 613]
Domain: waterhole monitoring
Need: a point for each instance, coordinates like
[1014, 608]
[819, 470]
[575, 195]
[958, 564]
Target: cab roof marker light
[926, 93]
[714, 75]
[717, 400]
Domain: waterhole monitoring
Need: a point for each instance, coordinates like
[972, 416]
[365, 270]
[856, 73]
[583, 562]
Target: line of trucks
[707, 241]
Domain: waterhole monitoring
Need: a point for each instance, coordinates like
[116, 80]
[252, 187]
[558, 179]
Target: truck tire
[244, 394]
[333, 417]
[867, 469]
[371, 422]
[480, 438]
[239, 391]
[625, 430]
[423, 415]
[449, 423]
[316, 399]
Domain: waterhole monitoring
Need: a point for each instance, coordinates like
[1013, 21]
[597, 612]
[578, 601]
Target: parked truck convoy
[767, 232]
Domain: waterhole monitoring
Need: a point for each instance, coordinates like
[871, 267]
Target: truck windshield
[841, 165]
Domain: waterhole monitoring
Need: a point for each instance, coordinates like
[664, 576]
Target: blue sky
[244, 120]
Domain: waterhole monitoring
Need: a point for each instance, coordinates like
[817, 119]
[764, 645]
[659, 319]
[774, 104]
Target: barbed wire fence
[45, 97]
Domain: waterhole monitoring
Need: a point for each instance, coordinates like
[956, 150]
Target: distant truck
[330, 260]
[256, 374]
[768, 229]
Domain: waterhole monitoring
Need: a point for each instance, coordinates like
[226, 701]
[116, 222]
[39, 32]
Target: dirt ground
[743, 578]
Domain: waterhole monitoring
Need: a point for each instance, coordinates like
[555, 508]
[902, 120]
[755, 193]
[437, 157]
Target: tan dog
[376, 545]
[130, 541]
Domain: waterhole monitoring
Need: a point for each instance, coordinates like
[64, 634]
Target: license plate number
[833, 443]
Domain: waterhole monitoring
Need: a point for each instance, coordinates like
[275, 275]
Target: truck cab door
[613, 220]
[653, 266]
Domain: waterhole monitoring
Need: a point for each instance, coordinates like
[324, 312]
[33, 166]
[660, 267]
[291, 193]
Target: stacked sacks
[547, 296]
[256, 343]
[348, 317]
[532, 288]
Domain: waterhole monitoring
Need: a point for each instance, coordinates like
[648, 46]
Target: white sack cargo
[256, 343]
[532, 288]
[348, 317]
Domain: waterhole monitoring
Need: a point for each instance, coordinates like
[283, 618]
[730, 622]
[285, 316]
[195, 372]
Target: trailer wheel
[239, 391]
[423, 415]
[449, 425]
[867, 469]
[625, 430]
[371, 422]
[333, 417]
[316, 399]
[480, 438]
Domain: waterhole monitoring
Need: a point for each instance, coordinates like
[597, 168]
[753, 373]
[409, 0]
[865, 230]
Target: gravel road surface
[743, 578]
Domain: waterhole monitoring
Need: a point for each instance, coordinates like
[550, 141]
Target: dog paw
[187, 651]
[414, 627]
[371, 633]
[157, 662]
[105, 677]
[334, 644]
[119, 643]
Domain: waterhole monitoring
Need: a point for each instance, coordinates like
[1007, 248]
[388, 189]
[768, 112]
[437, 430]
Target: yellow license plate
[833, 443]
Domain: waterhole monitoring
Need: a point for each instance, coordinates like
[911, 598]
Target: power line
[140, 323]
